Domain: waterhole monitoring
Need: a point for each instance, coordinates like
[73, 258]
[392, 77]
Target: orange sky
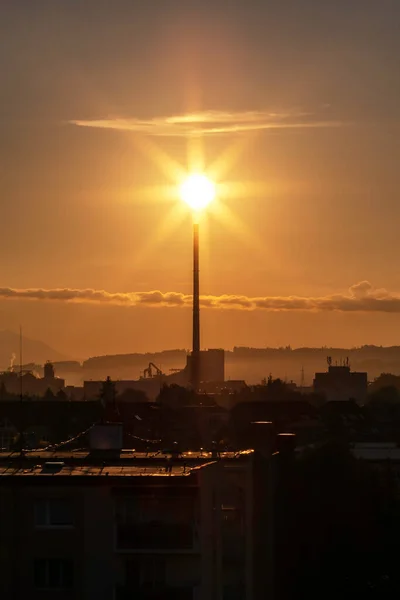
[317, 207]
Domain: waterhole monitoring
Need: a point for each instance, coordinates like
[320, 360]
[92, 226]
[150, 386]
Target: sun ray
[171, 168]
[233, 190]
[195, 154]
[227, 217]
[223, 164]
[152, 194]
[169, 224]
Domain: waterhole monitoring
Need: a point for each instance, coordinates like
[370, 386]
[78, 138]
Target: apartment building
[114, 524]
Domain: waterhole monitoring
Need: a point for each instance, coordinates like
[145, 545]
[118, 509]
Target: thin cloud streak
[211, 123]
[361, 297]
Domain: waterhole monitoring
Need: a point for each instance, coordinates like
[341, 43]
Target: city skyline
[304, 134]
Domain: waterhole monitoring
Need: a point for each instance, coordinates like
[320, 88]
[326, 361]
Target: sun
[197, 191]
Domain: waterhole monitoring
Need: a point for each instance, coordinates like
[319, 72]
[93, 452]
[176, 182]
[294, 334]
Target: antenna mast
[21, 433]
[20, 363]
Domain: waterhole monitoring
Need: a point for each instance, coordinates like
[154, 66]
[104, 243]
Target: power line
[64, 443]
[136, 437]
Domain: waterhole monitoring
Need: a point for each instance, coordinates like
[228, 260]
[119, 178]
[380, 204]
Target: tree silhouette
[48, 395]
[108, 392]
[61, 395]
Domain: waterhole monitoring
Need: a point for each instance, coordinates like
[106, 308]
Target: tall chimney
[195, 362]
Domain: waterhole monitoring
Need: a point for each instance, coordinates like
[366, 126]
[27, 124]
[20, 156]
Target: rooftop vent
[53, 466]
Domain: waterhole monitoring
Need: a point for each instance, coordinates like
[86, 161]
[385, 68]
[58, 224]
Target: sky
[293, 107]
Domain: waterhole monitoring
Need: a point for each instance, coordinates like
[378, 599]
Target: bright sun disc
[197, 191]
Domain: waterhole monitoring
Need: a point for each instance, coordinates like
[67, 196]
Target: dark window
[153, 572]
[53, 512]
[145, 572]
[53, 573]
[149, 522]
[40, 574]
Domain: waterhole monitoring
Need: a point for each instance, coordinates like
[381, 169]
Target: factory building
[27, 383]
[211, 370]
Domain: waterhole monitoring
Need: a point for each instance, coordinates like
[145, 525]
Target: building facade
[121, 525]
[340, 383]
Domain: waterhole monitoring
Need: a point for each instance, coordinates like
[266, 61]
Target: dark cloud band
[361, 297]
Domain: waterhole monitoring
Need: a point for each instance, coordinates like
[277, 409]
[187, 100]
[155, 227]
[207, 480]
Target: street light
[197, 191]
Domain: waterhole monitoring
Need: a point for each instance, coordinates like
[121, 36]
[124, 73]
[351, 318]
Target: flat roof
[376, 452]
[87, 470]
[124, 455]
[127, 463]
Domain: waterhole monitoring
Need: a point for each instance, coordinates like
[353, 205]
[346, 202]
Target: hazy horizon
[294, 110]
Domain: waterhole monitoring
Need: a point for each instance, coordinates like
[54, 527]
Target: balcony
[154, 536]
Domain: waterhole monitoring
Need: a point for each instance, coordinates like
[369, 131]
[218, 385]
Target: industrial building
[211, 365]
[26, 382]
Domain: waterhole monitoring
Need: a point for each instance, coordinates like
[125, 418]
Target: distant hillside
[254, 364]
[250, 364]
[34, 351]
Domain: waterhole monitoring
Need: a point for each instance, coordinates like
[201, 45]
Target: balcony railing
[154, 536]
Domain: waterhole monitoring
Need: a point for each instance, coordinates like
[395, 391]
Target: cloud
[361, 289]
[211, 122]
[361, 297]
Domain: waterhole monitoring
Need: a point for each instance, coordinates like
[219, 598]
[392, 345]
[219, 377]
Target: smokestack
[195, 375]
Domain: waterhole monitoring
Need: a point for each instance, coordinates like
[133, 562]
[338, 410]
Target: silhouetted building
[29, 384]
[211, 370]
[74, 393]
[211, 365]
[49, 373]
[340, 383]
[118, 524]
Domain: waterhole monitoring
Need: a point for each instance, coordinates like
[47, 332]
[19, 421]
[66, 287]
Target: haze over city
[199, 299]
[101, 107]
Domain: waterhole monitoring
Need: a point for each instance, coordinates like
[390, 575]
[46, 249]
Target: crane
[148, 373]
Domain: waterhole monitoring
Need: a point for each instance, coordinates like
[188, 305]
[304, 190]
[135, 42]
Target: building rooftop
[126, 463]
[67, 470]
[124, 455]
[376, 451]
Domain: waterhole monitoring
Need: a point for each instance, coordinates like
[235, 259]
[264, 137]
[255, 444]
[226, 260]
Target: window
[152, 522]
[53, 512]
[152, 572]
[146, 572]
[147, 509]
[53, 573]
